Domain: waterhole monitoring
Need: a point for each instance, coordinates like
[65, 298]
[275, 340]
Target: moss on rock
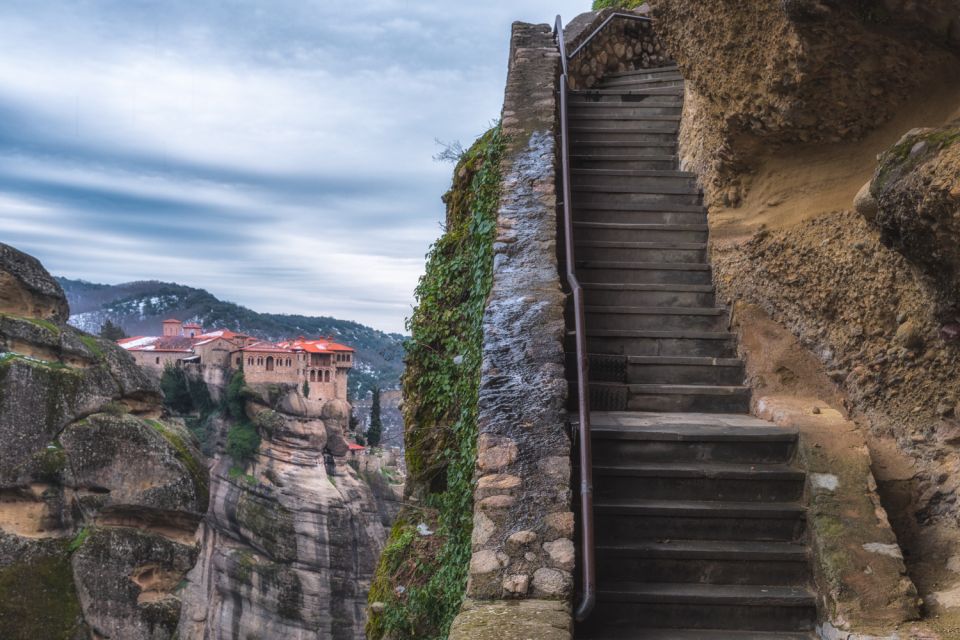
[440, 389]
[38, 598]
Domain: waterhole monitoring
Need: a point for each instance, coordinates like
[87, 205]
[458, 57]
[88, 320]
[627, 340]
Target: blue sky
[278, 153]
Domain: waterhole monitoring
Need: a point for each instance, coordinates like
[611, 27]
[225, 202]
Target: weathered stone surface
[523, 463]
[858, 564]
[287, 550]
[623, 45]
[562, 554]
[552, 583]
[126, 578]
[27, 289]
[513, 620]
[101, 494]
[917, 192]
[762, 74]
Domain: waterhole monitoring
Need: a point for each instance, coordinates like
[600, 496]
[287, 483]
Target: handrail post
[588, 569]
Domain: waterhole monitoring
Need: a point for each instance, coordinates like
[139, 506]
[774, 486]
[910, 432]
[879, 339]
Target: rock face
[763, 73]
[915, 203]
[290, 541]
[101, 497]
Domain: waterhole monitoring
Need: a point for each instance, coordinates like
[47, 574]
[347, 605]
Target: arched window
[313, 376]
[289, 362]
[269, 363]
[250, 361]
[326, 376]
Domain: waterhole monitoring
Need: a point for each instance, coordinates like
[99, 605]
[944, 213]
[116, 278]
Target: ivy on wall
[422, 575]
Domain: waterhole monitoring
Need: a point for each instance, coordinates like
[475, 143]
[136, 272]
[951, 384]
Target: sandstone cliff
[101, 496]
[291, 540]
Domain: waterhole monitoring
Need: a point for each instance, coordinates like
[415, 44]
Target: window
[158, 360]
[239, 360]
[250, 361]
[326, 376]
[269, 363]
[289, 362]
[313, 376]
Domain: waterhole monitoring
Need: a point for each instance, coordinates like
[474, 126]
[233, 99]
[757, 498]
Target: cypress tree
[376, 426]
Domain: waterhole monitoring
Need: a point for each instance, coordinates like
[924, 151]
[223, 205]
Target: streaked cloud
[276, 153]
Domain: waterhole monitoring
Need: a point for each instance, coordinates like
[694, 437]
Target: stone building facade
[318, 368]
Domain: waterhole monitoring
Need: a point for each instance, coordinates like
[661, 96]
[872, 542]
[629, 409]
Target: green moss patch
[422, 580]
[198, 471]
[38, 600]
[270, 525]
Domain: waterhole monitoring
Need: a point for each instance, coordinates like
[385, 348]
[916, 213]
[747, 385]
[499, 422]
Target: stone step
[621, 147]
[632, 605]
[654, 98]
[644, 272]
[642, 251]
[698, 481]
[631, 519]
[585, 136]
[612, 396]
[638, 232]
[662, 343]
[689, 397]
[662, 369]
[597, 632]
[622, 117]
[667, 370]
[657, 318]
[633, 437]
[624, 161]
[576, 109]
[603, 197]
[652, 72]
[660, 81]
[629, 94]
[584, 202]
[704, 562]
[638, 180]
[643, 217]
[648, 295]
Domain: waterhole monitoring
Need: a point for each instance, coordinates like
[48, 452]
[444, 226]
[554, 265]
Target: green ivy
[421, 580]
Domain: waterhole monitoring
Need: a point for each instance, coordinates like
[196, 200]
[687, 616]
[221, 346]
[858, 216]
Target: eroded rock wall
[291, 540]
[100, 495]
[767, 74]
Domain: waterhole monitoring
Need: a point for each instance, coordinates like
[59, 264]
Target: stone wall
[523, 526]
[623, 45]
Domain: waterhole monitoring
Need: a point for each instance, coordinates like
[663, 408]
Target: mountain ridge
[140, 306]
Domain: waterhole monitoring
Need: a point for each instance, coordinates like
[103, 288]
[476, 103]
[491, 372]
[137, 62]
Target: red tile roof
[355, 447]
[316, 346]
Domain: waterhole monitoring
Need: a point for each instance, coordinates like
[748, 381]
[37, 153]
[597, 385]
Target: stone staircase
[698, 507]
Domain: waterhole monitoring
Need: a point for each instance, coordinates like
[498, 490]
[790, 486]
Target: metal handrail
[588, 564]
[588, 570]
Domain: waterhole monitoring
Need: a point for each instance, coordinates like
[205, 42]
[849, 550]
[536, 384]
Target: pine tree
[110, 331]
[376, 426]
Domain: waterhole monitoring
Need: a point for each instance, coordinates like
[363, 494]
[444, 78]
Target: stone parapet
[623, 45]
[523, 523]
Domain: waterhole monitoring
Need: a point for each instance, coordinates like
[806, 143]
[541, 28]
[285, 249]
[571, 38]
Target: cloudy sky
[275, 152]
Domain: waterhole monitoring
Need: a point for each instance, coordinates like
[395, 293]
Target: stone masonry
[623, 45]
[523, 525]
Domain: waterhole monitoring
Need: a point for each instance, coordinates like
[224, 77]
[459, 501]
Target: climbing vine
[423, 572]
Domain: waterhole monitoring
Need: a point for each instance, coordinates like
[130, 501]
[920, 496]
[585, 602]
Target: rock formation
[291, 539]
[914, 200]
[763, 73]
[101, 496]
